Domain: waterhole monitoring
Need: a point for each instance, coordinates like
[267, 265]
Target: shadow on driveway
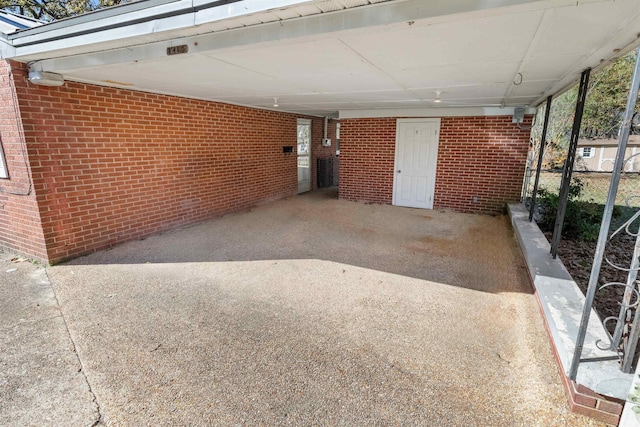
[471, 251]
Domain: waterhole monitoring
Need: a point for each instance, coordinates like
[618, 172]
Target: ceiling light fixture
[275, 102]
[438, 100]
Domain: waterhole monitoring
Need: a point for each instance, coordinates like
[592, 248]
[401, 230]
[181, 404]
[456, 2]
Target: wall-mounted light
[45, 78]
[275, 102]
[438, 100]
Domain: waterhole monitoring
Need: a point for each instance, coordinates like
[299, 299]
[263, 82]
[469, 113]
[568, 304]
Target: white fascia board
[6, 50]
[95, 25]
[430, 112]
[122, 33]
[176, 15]
[114, 11]
[379, 14]
[234, 10]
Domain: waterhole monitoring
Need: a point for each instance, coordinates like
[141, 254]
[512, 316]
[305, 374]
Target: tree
[52, 10]
[603, 111]
[559, 129]
[607, 99]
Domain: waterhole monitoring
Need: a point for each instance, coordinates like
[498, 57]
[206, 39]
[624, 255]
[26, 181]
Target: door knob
[399, 171]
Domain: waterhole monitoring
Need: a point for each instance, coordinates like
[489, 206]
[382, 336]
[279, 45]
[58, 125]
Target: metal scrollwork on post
[627, 324]
[603, 239]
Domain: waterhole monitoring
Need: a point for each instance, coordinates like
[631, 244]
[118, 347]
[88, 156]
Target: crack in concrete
[94, 399]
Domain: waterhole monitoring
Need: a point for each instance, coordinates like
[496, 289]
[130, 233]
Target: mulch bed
[577, 256]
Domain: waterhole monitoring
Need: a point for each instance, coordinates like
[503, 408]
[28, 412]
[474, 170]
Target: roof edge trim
[115, 11]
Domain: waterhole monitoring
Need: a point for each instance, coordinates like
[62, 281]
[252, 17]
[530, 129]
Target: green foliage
[559, 130]
[582, 218]
[52, 10]
[607, 99]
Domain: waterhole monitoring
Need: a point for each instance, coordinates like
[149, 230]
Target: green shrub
[582, 219]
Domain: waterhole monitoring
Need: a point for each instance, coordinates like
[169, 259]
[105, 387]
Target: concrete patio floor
[306, 311]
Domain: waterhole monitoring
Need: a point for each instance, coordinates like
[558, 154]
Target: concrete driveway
[306, 311]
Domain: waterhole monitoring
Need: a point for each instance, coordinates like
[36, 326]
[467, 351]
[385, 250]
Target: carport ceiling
[321, 57]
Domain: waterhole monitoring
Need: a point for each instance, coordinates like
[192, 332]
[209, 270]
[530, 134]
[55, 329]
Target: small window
[587, 152]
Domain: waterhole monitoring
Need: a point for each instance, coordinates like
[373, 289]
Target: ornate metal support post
[630, 350]
[606, 217]
[568, 164]
[543, 142]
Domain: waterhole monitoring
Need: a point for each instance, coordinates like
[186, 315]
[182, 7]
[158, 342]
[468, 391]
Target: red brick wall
[367, 152]
[20, 227]
[111, 165]
[481, 157]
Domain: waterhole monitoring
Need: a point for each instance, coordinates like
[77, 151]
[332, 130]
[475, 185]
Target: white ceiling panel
[442, 76]
[539, 69]
[212, 78]
[293, 108]
[496, 38]
[348, 82]
[293, 60]
[320, 106]
[466, 92]
[471, 101]
[293, 98]
[531, 88]
[580, 29]
[387, 95]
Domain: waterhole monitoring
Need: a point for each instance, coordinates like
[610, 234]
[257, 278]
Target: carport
[160, 114]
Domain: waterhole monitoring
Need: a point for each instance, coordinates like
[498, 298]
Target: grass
[596, 186]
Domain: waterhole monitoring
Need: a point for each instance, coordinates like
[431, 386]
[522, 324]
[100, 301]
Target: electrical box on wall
[518, 115]
[326, 142]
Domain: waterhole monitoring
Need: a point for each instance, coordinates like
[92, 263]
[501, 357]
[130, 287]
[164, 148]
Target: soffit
[320, 57]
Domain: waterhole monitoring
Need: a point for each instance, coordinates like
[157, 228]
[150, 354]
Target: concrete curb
[601, 388]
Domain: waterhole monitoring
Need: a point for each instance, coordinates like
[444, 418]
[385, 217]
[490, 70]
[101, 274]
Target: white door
[415, 165]
[304, 155]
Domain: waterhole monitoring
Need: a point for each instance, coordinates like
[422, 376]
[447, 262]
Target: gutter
[116, 11]
[121, 24]
[34, 36]
[92, 16]
[14, 23]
